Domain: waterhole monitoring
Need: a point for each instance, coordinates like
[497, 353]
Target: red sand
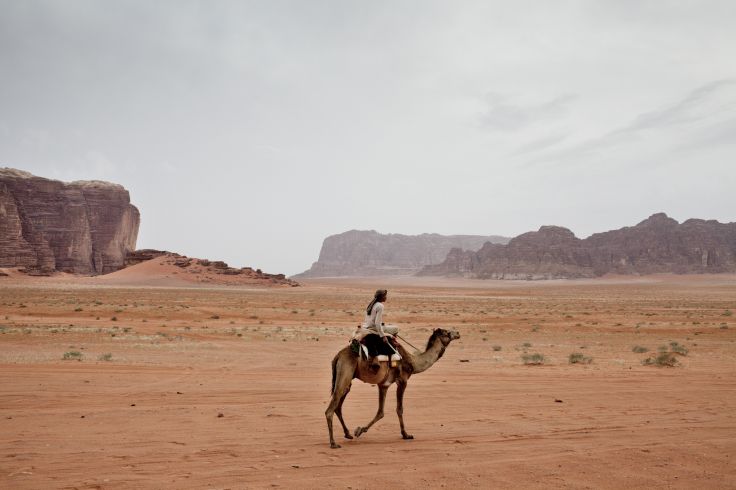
[148, 417]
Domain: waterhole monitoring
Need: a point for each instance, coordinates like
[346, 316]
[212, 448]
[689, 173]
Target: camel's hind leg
[379, 415]
[338, 412]
[343, 375]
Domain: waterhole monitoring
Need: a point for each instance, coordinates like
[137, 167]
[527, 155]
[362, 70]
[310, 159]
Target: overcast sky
[249, 131]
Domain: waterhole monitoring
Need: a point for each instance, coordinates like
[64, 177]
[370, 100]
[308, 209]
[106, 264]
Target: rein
[406, 341]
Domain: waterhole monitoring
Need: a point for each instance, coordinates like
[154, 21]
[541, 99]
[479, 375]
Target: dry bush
[72, 355]
[579, 358]
[535, 359]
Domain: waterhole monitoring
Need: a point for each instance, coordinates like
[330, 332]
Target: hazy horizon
[250, 131]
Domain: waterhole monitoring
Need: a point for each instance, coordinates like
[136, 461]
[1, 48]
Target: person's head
[379, 297]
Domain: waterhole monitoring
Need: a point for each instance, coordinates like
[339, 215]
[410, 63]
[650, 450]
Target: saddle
[372, 348]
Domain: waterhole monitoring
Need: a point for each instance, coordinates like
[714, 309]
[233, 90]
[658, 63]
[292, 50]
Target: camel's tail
[334, 373]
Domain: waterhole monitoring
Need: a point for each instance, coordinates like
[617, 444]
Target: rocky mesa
[658, 244]
[84, 227]
[369, 253]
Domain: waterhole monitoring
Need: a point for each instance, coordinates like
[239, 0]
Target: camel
[347, 365]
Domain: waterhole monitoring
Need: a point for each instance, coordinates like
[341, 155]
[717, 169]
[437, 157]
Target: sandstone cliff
[369, 253]
[84, 227]
[657, 244]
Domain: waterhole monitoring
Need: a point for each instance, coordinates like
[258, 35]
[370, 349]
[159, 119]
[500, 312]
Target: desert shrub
[114, 318]
[678, 348]
[665, 359]
[639, 349]
[78, 309]
[727, 313]
[579, 358]
[215, 317]
[526, 344]
[496, 348]
[72, 355]
[535, 359]
[105, 357]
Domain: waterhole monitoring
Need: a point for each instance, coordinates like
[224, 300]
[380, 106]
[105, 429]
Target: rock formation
[84, 227]
[192, 270]
[369, 253]
[657, 244]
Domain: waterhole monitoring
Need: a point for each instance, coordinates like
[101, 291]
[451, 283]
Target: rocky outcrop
[369, 253]
[656, 245]
[84, 227]
[190, 269]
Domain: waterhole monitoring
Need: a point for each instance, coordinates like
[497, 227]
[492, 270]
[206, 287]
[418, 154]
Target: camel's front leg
[379, 415]
[400, 388]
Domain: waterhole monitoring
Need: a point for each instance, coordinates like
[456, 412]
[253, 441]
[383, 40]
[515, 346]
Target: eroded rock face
[84, 227]
[369, 253]
[656, 245]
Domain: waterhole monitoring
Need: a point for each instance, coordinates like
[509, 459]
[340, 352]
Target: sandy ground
[195, 387]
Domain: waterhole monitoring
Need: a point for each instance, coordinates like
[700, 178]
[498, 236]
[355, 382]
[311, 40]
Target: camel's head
[444, 336]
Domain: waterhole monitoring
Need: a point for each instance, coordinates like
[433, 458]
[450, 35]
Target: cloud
[540, 144]
[701, 103]
[703, 109]
[502, 114]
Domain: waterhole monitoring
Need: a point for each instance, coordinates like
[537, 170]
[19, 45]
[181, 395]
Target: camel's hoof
[348, 436]
[359, 431]
[334, 445]
[407, 436]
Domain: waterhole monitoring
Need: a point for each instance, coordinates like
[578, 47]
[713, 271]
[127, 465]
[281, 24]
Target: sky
[249, 131]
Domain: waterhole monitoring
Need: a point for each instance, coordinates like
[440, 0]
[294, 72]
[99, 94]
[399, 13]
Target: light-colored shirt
[374, 321]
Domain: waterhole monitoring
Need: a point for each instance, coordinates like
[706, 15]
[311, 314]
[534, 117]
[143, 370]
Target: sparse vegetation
[579, 358]
[526, 345]
[496, 348]
[678, 348]
[72, 355]
[666, 359]
[105, 357]
[535, 359]
[667, 355]
[114, 319]
[639, 349]
[727, 313]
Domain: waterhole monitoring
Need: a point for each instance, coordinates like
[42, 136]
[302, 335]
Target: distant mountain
[657, 244]
[369, 253]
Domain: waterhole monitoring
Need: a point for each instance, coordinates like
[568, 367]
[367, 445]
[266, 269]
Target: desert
[367, 245]
[125, 385]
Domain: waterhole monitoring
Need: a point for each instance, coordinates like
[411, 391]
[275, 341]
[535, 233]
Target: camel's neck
[422, 362]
